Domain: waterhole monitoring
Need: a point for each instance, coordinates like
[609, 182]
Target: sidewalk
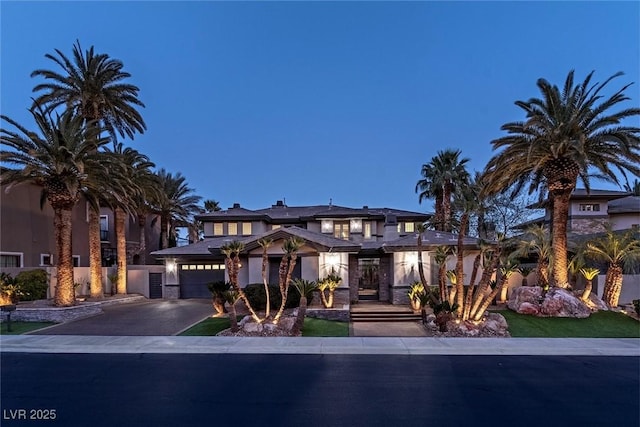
[302, 345]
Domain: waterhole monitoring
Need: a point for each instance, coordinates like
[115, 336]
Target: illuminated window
[233, 229]
[217, 229]
[246, 228]
[409, 227]
[589, 207]
[326, 226]
[341, 230]
[275, 226]
[355, 225]
[367, 230]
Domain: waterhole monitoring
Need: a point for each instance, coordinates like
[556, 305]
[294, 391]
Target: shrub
[33, 284]
[636, 306]
[258, 300]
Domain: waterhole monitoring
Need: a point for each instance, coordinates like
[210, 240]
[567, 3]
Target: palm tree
[211, 206]
[59, 160]
[265, 243]
[421, 228]
[589, 274]
[231, 297]
[619, 250]
[304, 288]
[176, 205]
[524, 272]
[634, 188]
[291, 246]
[441, 177]
[440, 256]
[93, 87]
[537, 240]
[232, 263]
[568, 134]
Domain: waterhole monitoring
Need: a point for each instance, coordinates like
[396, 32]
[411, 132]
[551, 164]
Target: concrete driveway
[148, 318]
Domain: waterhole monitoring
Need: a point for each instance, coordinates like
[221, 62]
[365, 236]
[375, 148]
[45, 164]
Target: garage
[195, 277]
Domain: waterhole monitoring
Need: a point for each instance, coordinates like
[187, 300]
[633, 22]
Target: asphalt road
[318, 390]
[148, 318]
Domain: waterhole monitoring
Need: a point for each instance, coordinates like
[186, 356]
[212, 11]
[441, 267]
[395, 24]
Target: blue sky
[311, 101]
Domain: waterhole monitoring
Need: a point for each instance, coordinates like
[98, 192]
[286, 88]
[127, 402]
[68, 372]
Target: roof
[629, 204]
[280, 212]
[582, 194]
[195, 249]
[430, 239]
[319, 241]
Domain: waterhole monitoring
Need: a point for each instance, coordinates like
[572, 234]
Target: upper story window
[233, 229]
[275, 226]
[355, 225]
[341, 230]
[246, 228]
[217, 229]
[46, 259]
[9, 259]
[589, 207]
[326, 226]
[367, 230]
[409, 227]
[104, 228]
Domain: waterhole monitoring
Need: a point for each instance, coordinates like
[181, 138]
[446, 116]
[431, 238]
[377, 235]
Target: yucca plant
[330, 284]
[414, 293]
[524, 272]
[589, 273]
[231, 297]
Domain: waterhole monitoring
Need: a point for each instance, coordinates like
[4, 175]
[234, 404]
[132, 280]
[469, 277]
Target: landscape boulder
[557, 302]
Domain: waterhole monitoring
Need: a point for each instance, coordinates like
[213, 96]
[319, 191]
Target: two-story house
[374, 250]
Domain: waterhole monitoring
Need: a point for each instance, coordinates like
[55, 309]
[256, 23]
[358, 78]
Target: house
[374, 250]
[590, 211]
[28, 238]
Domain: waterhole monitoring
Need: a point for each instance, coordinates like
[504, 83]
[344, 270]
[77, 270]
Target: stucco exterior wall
[630, 288]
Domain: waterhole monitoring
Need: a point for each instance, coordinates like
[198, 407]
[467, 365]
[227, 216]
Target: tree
[538, 241]
[232, 263]
[291, 246]
[58, 160]
[634, 188]
[265, 243]
[589, 274]
[92, 86]
[440, 178]
[211, 206]
[176, 204]
[568, 135]
[232, 297]
[304, 288]
[618, 250]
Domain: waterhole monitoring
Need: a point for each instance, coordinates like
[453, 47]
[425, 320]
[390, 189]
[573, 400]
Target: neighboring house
[27, 235]
[374, 250]
[589, 212]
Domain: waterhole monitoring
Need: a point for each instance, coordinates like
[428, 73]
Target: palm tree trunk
[460, 265]
[142, 223]
[487, 300]
[95, 255]
[442, 282]
[446, 207]
[302, 310]
[423, 279]
[233, 318]
[438, 215]
[265, 263]
[121, 245]
[164, 232]
[559, 238]
[613, 285]
[587, 290]
[64, 289]
[484, 282]
[292, 263]
[542, 273]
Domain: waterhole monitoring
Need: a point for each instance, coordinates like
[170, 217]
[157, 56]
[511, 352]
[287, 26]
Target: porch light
[412, 259]
[171, 266]
[332, 260]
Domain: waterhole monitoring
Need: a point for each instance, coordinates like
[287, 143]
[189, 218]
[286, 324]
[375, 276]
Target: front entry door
[368, 278]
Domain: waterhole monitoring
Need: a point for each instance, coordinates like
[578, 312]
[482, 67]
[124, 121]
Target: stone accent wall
[386, 276]
[353, 278]
[339, 313]
[587, 225]
[399, 295]
[171, 291]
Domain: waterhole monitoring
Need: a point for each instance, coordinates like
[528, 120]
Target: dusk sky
[312, 101]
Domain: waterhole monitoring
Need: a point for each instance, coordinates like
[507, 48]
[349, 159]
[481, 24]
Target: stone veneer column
[171, 288]
[385, 280]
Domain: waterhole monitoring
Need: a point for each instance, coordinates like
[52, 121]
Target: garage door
[195, 277]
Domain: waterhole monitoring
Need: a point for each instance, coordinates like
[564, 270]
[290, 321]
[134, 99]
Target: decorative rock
[557, 302]
[252, 327]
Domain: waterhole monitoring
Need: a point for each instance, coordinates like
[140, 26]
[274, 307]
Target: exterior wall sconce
[172, 267]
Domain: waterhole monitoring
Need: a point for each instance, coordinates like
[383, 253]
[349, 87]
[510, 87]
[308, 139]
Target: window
[409, 227]
[46, 259]
[589, 207]
[356, 225]
[246, 228]
[326, 226]
[367, 230]
[275, 226]
[11, 259]
[341, 230]
[217, 229]
[104, 228]
[233, 229]
[76, 260]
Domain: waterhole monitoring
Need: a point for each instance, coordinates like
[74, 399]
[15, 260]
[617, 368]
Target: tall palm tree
[265, 243]
[176, 205]
[212, 206]
[634, 188]
[59, 160]
[619, 250]
[92, 85]
[441, 177]
[568, 134]
[291, 246]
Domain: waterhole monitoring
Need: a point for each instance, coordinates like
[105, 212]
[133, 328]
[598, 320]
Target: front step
[385, 316]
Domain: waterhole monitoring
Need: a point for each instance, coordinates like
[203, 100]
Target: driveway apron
[148, 318]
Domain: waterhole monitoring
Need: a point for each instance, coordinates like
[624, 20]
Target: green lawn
[18, 328]
[603, 324]
[311, 328]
